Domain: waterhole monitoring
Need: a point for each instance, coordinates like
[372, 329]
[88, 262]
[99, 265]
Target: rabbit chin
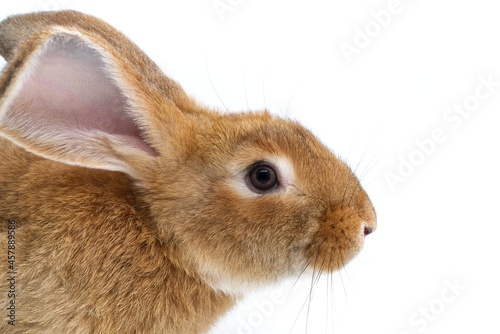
[240, 285]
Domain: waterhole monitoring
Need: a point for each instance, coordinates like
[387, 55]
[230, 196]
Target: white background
[438, 224]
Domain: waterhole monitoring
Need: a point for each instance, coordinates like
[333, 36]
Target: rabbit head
[254, 199]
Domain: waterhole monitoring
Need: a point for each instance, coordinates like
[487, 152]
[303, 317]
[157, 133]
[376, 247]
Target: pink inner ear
[69, 91]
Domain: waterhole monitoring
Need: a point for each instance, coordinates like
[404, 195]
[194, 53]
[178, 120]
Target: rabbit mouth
[339, 239]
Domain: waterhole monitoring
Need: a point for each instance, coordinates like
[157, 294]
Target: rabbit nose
[368, 230]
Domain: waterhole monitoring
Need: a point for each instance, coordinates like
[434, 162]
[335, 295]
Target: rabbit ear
[69, 97]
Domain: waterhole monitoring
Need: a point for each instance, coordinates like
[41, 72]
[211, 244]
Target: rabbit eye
[263, 177]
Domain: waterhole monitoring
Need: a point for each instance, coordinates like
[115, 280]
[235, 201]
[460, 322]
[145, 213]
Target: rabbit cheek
[254, 240]
[339, 238]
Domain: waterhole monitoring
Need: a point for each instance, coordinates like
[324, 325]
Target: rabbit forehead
[262, 134]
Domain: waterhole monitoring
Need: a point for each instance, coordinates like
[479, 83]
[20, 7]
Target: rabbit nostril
[368, 230]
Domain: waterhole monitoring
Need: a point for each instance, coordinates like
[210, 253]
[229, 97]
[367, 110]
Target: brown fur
[148, 248]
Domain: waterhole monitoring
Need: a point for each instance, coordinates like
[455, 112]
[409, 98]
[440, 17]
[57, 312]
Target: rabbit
[128, 207]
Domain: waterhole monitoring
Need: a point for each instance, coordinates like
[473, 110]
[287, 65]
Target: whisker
[328, 292]
[314, 281]
[212, 84]
[287, 107]
[330, 295]
[299, 277]
[350, 149]
[244, 86]
[344, 194]
[316, 273]
[264, 87]
[364, 152]
[353, 192]
[371, 163]
[341, 279]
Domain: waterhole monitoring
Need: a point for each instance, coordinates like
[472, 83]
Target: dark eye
[263, 177]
